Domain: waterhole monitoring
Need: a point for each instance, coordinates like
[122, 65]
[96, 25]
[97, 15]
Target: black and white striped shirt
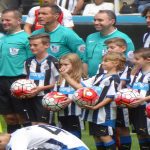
[107, 88]
[42, 73]
[72, 108]
[141, 82]
[68, 4]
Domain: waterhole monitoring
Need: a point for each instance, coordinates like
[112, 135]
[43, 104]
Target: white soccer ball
[52, 101]
[125, 97]
[22, 88]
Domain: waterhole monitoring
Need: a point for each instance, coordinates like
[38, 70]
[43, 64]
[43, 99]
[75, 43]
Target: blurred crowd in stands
[83, 7]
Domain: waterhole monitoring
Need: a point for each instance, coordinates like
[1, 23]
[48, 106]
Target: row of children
[114, 73]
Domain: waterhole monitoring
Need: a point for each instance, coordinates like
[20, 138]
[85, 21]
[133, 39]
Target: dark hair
[44, 37]
[110, 13]
[143, 52]
[16, 12]
[55, 9]
[146, 10]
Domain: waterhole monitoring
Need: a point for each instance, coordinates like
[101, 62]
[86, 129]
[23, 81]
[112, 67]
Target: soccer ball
[22, 87]
[126, 96]
[52, 101]
[148, 111]
[85, 96]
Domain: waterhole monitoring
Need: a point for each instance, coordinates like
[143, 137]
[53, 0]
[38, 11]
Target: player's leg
[102, 136]
[141, 126]
[122, 130]
[11, 108]
[144, 142]
[71, 124]
[92, 131]
[37, 113]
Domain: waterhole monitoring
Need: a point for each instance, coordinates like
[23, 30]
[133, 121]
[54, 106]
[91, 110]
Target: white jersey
[44, 137]
[72, 108]
[146, 40]
[67, 17]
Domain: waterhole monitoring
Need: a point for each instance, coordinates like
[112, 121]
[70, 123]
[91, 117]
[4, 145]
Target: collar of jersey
[16, 32]
[41, 61]
[55, 28]
[109, 33]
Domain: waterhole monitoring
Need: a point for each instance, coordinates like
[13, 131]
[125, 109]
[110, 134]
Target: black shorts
[122, 117]
[35, 111]
[8, 103]
[70, 123]
[100, 130]
[138, 120]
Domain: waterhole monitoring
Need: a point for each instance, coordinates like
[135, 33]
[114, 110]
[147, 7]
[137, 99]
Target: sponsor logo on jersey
[141, 86]
[13, 51]
[97, 89]
[66, 90]
[55, 48]
[37, 76]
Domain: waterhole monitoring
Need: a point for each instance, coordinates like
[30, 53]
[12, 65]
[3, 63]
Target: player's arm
[99, 105]
[139, 101]
[28, 28]
[38, 89]
[29, 21]
[74, 84]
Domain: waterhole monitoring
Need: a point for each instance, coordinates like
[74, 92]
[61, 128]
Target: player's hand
[66, 102]
[89, 107]
[63, 71]
[137, 102]
[35, 91]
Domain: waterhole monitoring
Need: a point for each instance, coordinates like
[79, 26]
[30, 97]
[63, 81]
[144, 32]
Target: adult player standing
[32, 19]
[63, 40]
[14, 50]
[104, 23]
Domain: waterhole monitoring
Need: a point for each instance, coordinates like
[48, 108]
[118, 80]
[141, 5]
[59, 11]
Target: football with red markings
[125, 97]
[85, 96]
[21, 88]
[52, 101]
[148, 110]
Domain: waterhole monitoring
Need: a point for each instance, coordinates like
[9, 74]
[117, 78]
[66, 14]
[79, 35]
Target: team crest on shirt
[13, 51]
[81, 48]
[107, 83]
[46, 67]
[55, 48]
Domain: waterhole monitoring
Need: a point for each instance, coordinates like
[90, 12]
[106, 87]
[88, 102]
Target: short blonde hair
[118, 57]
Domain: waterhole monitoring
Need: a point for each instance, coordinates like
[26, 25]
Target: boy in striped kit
[119, 45]
[140, 80]
[43, 70]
